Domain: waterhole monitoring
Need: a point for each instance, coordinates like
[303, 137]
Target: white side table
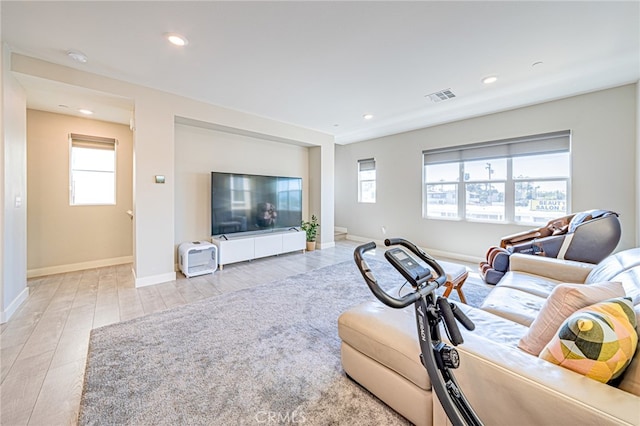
[197, 258]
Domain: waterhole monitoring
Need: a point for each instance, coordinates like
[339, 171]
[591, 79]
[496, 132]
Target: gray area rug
[270, 354]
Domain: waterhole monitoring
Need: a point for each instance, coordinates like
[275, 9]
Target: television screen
[242, 203]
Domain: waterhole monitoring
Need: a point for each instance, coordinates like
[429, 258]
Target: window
[289, 194]
[240, 192]
[92, 177]
[523, 180]
[367, 181]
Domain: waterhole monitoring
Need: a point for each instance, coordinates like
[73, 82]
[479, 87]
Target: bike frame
[436, 356]
[451, 397]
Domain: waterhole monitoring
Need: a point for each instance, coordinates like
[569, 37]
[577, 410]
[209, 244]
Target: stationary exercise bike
[437, 357]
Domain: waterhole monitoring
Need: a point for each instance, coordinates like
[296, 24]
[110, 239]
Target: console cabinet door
[236, 250]
[292, 241]
[268, 245]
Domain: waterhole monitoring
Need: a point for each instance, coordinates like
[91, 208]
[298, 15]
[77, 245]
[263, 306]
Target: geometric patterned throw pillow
[598, 341]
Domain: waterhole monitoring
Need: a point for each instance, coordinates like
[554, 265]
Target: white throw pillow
[563, 301]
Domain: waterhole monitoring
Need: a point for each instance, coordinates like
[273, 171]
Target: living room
[183, 140]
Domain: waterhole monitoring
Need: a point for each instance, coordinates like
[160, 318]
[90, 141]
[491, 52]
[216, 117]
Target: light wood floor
[44, 345]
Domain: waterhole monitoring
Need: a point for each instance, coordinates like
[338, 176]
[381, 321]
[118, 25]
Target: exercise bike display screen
[408, 266]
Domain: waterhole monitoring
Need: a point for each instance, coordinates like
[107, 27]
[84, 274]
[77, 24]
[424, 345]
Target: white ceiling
[323, 65]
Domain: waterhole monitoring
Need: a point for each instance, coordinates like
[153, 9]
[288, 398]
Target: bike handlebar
[449, 321]
[462, 318]
[383, 296]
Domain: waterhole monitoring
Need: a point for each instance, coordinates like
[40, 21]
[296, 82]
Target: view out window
[367, 181]
[92, 177]
[240, 191]
[289, 192]
[523, 180]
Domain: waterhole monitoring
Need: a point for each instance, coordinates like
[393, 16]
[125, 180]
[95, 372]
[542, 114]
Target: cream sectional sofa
[504, 384]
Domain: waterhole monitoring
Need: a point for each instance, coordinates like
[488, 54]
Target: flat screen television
[245, 203]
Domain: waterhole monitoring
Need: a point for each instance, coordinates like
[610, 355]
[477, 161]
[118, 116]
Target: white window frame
[366, 165]
[548, 143]
[98, 143]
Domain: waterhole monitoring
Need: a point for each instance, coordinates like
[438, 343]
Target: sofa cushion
[513, 304]
[614, 265]
[630, 279]
[497, 329]
[559, 270]
[529, 283]
[630, 381]
[563, 301]
[598, 341]
[624, 267]
[386, 335]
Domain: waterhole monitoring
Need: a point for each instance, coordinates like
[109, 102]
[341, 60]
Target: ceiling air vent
[440, 96]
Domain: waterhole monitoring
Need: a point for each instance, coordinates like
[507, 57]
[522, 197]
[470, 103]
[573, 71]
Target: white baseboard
[327, 245]
[433, 252]
[340, 229]
[153, 279]
[61, 269]
[359, 239]
[13, 306]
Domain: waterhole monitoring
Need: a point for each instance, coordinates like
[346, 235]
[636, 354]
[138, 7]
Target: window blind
[95, 142]
[546, 143]
[366, 165]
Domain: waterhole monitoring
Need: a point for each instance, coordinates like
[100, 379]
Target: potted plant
[311, 229]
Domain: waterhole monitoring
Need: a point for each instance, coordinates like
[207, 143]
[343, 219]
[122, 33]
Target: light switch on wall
[18, 201]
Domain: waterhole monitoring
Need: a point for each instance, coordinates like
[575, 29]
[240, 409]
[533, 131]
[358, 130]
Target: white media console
[237, 248]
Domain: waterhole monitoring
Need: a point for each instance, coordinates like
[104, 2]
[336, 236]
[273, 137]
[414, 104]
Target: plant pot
[311, 245]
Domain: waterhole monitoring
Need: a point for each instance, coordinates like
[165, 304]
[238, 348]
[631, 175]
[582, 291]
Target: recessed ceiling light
[176, 39]
[490, 79]
[367, 116]
[85, 111]
[77, 56]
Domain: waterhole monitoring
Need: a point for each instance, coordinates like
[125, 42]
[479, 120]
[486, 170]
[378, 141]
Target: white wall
[603, 126]
[154, 147]
[199, 151]
[315, 207]
[3, 73]
[322, 185]
[61, 237]
[13, 226]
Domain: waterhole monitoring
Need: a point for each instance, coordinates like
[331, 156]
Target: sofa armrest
[506, 386]
[568, 271]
